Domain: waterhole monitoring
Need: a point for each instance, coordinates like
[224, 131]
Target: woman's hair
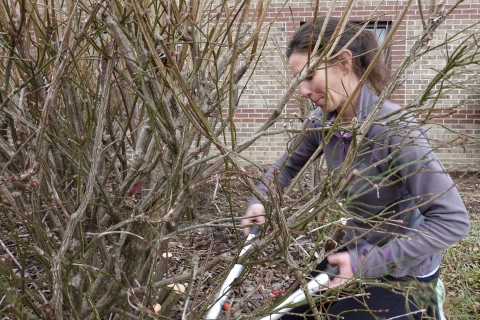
[363, 47]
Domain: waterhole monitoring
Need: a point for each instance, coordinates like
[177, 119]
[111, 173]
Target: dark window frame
[384, 27]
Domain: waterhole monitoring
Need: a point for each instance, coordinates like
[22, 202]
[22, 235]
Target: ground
[211, 242]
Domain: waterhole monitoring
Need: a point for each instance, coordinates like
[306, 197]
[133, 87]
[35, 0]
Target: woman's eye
[310, 77]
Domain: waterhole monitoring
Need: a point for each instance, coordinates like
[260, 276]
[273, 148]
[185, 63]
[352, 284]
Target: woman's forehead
[298, 61]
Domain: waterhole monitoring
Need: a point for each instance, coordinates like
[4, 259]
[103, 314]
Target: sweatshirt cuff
[253, 200]
[370, 261]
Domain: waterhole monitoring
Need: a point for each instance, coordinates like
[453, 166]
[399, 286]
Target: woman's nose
[304, 89]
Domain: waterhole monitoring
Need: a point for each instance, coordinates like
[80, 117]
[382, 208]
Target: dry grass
[461, 267]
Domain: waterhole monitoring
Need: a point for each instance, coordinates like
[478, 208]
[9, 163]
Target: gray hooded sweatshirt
[402, 192]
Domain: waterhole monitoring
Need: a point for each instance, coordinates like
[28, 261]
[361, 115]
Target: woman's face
[328, 88]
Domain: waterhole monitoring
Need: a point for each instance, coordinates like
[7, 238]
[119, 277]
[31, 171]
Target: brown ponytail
[380, 74]
[363, 48]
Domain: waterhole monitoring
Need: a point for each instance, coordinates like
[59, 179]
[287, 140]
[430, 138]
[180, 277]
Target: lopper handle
[315, 285]
[254, 230]
[332, 271]
[225, 290]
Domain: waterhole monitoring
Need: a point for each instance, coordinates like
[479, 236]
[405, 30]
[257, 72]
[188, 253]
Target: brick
[419, 74]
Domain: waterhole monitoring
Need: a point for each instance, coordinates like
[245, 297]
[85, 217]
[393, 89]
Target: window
[381, 28]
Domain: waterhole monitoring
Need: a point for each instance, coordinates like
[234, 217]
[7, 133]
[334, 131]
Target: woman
[405, 209]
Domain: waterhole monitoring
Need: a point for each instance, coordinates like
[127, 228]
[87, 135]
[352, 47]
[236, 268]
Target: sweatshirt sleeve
[295, 162]
[445, 220]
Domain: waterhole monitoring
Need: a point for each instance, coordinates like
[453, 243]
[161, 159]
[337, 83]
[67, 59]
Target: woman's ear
[345, 61]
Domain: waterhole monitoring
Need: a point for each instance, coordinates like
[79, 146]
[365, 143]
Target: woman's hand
[342, 260]
[253, 210]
